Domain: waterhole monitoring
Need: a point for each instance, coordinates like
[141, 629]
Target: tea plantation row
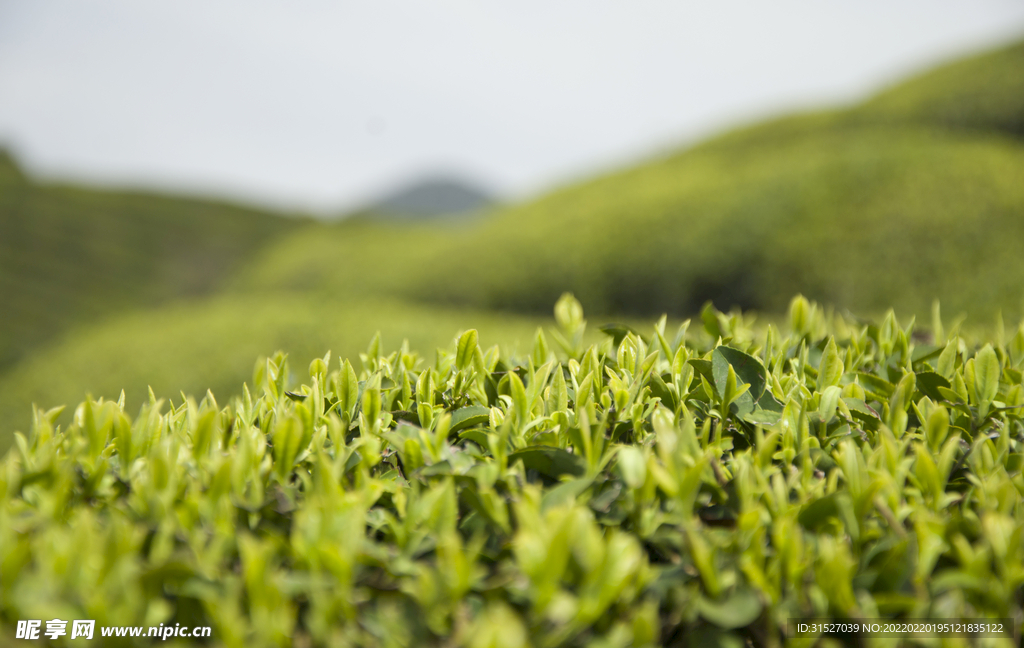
[692, 487]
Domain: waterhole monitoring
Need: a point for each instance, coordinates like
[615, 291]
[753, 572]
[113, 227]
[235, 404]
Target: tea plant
[695, 487]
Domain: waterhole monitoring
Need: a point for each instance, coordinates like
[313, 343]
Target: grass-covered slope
[71, 255]
[685, 488]
[981, 93]
[856, 217]
[916, 194]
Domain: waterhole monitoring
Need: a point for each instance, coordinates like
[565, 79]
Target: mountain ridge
[431, 196]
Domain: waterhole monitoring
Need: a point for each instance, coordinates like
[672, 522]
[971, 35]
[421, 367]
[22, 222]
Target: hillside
[980, 93]
[70, 254]
[918, 193]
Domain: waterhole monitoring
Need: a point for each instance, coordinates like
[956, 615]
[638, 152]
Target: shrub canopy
[691, 487]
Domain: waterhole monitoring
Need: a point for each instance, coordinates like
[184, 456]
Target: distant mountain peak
[433, 196]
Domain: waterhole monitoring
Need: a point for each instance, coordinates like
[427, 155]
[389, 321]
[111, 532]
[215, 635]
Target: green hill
[916, 194]
[70, 254]
[984, 92]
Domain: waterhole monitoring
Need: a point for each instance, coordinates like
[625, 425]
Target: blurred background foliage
[914, 195]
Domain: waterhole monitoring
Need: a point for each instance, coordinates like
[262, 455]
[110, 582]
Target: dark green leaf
[552, 462]
[659, 389]
[468, 417]
[564, 493]
[929, 382]
[748, 370]
[703, 368]
[618, 331]
[881, 388]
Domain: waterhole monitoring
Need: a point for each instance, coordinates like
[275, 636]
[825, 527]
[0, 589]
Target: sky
[323, 105]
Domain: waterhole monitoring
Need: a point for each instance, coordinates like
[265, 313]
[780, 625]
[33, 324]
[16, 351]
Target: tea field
[914, 195]
[463, 470]
[698, 485]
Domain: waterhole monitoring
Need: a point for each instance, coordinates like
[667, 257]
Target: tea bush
[695, 487]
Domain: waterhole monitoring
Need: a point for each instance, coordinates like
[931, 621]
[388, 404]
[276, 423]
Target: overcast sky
[323, 104]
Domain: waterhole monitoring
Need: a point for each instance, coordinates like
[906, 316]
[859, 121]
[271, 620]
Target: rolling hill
[70, 254]
[981, 93]
[915, 194]
[918, 193]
